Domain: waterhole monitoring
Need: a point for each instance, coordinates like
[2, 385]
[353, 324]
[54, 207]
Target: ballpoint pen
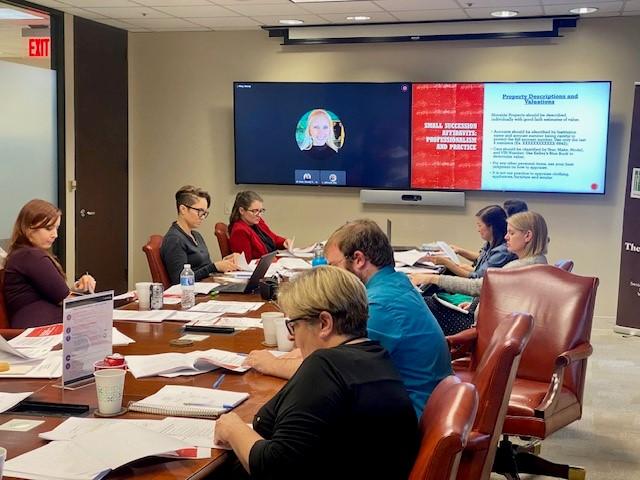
[218, 382]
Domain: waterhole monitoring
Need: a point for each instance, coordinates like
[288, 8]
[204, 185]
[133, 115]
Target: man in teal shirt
[398, 316]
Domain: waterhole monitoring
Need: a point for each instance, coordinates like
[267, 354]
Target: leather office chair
[222, 234]
[548, 389]
[566, 265]
[4, 316]
[156, 266]
[494, 360]
[444, 429]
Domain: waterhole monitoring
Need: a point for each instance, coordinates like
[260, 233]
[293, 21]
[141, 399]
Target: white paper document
[190, 363]
[13, 355]
[448, 251]
[49, 367]
[409, 257]
[292, 263]
[152, 316]
[10, 400]
[39, 337]
[120, 339]
[93, 454]
[202, 288]
[239, 308]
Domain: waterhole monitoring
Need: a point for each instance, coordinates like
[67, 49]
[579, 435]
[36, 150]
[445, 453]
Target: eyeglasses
[202, 213]
[257, 211]
[290, 323]
[341, 261]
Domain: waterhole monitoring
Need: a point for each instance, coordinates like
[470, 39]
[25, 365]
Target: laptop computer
[396, 248]
[252, 284]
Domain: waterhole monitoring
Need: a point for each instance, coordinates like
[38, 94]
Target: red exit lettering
[39, 47]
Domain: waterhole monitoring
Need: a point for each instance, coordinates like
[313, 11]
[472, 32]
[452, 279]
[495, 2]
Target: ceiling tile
[251, 2]
[277, 9]
[153, 23]
[226, 22]
[172, 3]
[401, 5]
[198, 11]
[564, 9]
[500, 4]
[427, 15]
[82, 12]
[274, 20]
[129, 12]
[100, 3]
[375, 17]
[115, 23]
[339, 7]
[486, 12]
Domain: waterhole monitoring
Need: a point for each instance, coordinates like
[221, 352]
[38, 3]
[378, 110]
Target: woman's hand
[85, 283]
[424, 278]
[464, 305]
[260, 360]
[288, 243]
[227, 264]
[225, 427]
[438, 260]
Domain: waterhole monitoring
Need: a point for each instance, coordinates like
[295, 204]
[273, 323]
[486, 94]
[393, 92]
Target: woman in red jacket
[248, 232]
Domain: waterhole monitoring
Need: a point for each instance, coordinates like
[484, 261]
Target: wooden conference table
[152, 338]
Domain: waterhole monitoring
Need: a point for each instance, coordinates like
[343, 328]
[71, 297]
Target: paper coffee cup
[143, 289]
[269, 327]
[282, 336]
[3, 457]
[109, 387]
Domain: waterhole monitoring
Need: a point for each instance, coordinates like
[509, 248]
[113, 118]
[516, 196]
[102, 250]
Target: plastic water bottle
[318, 257]
[187, 284]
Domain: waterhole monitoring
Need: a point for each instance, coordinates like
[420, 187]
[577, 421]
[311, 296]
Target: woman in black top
[183, 244]
[344, 400]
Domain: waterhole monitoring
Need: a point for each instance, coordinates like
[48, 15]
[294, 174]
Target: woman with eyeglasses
[343, 401]
[248, 232]
[183, 244]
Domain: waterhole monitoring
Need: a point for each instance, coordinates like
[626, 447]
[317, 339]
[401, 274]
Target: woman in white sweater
[527, 237]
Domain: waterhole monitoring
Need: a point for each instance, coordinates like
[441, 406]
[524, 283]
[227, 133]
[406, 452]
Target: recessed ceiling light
[583, 10]
[291, 22]
[359, 18]
[10, 14]
[504, 13]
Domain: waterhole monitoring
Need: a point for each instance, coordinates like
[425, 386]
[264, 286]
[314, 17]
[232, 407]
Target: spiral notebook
[179, 401]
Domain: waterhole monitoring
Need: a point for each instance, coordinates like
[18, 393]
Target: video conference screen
[538, 137]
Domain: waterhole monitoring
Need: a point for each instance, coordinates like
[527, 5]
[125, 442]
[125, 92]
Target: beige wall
[181, 131]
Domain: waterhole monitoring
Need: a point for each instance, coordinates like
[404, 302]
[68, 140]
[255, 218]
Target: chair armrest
[550, 400]
[9, 333]
[581, 352]
[478, 441]
[462, 344]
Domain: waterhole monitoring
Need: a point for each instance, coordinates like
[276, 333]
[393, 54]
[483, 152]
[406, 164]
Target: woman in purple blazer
[34, 281]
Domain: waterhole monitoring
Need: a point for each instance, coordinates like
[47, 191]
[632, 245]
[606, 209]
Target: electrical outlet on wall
[228, 206]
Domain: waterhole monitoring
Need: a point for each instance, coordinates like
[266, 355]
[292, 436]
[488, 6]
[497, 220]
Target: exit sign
[39, 47]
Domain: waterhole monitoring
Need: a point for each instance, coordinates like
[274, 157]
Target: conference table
[152, 338]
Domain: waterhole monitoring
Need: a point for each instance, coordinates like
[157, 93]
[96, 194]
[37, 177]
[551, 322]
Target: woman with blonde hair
[345, 394]
[34, 281]
[527, 238]
[319, 140]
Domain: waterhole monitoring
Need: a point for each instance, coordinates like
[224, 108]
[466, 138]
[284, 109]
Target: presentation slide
[543, 137]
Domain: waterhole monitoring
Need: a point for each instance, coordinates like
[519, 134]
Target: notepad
[179, 401]
[191, 363]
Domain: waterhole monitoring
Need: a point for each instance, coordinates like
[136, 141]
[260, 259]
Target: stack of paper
[239, 323]
[93, 454]
[196, 432]
[10, 400]
[213, 306]
[174, 364]
[202, 288]
[157, 316]
[51, 335]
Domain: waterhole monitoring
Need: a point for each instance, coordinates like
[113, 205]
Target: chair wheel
[577, 473]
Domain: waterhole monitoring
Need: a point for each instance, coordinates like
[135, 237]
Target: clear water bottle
[187, 284]
[318, 257]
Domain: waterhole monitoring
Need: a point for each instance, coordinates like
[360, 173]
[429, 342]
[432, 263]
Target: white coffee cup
[143, 289]
[109, 387]
[3, 457]
[282, 336]
[269, 327]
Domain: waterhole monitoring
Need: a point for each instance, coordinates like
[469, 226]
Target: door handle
[86, 213]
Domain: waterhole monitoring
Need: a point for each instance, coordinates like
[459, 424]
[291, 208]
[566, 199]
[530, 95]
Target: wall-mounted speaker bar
[398, 197]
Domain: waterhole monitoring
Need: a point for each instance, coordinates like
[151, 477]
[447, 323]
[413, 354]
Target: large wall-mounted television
[515, 137]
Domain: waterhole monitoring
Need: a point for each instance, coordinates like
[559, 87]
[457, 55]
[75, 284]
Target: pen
[218, 382]
[195, 404]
